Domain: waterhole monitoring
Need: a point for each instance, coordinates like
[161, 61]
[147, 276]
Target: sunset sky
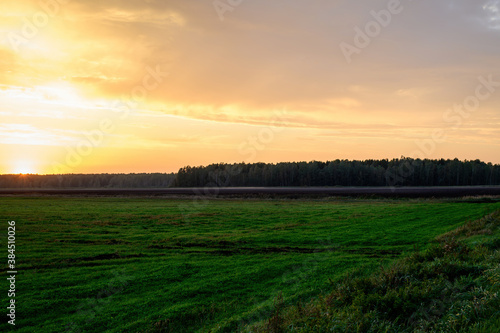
[153, 85]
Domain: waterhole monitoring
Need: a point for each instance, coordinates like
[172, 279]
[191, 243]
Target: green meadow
[127, 264]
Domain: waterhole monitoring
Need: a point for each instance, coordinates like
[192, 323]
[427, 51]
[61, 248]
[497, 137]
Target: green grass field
[178, 265]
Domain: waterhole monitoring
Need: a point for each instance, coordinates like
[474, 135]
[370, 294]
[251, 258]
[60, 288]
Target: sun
[23, 167]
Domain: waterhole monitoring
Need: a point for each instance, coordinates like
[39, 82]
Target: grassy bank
[453, 286]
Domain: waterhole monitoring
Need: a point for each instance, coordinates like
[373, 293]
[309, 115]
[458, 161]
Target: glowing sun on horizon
[23, 167]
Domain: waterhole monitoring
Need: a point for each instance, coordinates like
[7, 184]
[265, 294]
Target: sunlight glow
[147, 86]
[59, 92]
[23, 167]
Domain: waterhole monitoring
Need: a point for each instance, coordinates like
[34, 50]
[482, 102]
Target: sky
[125, 86]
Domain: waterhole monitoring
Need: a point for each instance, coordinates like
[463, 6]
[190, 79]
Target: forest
[396, 172]
[133, 180]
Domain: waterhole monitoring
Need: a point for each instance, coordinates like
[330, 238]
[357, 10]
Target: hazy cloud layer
[262, 57]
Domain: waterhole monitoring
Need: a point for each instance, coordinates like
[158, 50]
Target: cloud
[268, 54]
[265, 56]
[25, 134]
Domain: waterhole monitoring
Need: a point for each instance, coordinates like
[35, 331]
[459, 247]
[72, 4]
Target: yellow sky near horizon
[151, 86]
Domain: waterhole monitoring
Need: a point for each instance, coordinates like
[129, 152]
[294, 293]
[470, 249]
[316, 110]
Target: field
[151, 264]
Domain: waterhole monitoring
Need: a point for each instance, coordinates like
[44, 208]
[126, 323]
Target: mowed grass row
[161, 264]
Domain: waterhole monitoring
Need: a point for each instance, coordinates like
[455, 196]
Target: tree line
[395, 172]
[139, 180]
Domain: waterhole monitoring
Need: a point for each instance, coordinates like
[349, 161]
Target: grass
[453, 286]
[178, 265]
